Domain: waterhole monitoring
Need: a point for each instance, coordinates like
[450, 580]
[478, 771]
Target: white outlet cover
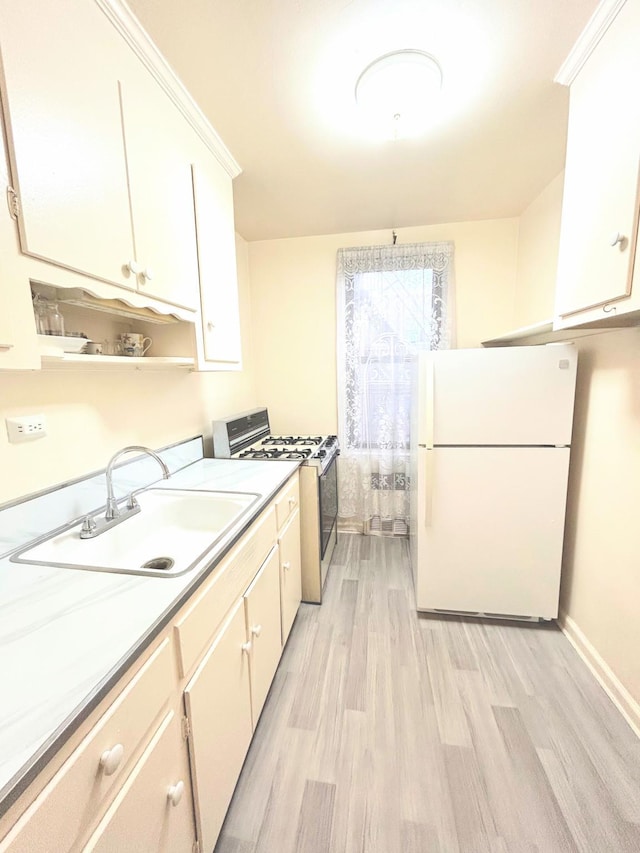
[26, 428]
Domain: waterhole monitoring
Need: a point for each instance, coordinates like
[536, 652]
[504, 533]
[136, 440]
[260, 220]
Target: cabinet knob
[111, 758]
[134, 267]
[147, 274]
[246, 647]
[292, 501]
[286, 565]
[210, 326]
[175, 793]
[616, 238]
[256, 630]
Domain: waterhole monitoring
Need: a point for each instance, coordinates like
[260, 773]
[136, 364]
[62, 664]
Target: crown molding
[139, 41]
[596, 27]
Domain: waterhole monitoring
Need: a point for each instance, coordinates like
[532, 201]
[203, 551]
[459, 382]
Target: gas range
[248, 436]
[312, 450]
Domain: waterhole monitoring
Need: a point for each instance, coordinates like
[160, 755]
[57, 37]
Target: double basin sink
[173, 532]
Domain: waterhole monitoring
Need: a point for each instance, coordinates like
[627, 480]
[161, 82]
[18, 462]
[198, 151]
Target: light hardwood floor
[386, 732]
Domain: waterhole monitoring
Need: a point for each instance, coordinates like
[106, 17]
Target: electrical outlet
[26, 428]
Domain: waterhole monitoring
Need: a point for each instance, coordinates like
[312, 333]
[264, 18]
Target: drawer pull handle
[111, 758]
[175, 793]
[246, 647]
[256, 630]
[286, 565]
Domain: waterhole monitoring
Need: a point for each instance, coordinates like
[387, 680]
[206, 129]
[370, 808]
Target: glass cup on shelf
[53, 320]
[110, 347]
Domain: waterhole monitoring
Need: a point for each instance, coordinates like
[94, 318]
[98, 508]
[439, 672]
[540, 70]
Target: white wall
[600, 578]
[90, 415]
[601, 573]
[293, 286]
[538, 245]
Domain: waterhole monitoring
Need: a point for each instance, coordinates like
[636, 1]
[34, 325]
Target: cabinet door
[217, 264]
[262, 611]
[65, 808]
[290, 573]
[156, 141]
[218, 706]
[153, 810]
[601, 179]
[62, 105]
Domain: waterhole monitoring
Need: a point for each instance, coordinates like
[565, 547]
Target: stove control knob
[322, 454]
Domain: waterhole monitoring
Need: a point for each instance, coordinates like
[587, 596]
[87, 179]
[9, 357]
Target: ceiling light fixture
[396, 92]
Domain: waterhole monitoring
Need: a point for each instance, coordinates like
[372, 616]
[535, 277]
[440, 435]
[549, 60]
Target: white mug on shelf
[135, 344]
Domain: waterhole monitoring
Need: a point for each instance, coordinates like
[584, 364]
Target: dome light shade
[395, 93]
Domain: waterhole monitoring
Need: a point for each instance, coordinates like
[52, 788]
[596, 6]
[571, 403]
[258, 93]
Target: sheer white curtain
[393, 301]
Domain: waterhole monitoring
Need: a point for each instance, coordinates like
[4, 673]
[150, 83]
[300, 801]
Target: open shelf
[80, 361]
[541, 333]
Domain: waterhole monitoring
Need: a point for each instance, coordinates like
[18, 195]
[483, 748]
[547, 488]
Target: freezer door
[489, 530]
[502, 395]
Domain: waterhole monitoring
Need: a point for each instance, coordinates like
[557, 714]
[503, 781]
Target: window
[392, 302]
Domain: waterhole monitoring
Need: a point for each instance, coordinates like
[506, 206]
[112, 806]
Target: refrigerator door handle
[429, 402]
[428, 482]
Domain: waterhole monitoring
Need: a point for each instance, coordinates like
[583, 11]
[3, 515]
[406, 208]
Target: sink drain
[161, 563]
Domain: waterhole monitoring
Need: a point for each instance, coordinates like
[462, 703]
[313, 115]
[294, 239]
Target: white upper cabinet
[159, 169]
[600, 207]
[61, 100]
[219, 337]
[101, 154]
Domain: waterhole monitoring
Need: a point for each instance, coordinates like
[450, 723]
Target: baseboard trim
[615, 690]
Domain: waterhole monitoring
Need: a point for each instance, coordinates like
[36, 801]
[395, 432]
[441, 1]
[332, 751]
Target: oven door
[328, 493]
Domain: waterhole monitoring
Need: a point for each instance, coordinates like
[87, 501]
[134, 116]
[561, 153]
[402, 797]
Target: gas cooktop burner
[279, 453]
[293, 439]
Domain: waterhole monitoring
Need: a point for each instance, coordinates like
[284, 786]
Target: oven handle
[323, 475]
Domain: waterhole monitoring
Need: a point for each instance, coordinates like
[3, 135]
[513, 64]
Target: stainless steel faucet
[113, 515]
[112, 504]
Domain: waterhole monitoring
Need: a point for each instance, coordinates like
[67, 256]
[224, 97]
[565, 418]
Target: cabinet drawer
[287, 501]
[153, 810]
[69, 803]
[201, 620]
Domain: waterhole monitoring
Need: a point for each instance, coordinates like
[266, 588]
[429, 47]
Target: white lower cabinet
[63, 812]
[290, 573]
[152, 811]
[218, 705]
[262, 612]
[138, 776]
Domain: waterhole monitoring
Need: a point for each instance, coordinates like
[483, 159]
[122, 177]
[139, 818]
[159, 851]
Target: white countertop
[67, 635]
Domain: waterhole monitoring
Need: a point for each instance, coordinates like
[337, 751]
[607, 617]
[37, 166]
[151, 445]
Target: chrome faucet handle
[132, 501]
[88, 524]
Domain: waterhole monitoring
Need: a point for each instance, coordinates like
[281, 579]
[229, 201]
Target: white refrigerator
[490, 445]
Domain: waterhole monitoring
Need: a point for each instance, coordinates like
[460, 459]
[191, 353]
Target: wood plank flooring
[386, 732]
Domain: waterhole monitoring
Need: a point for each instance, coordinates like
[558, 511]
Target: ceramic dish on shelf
[59, 344]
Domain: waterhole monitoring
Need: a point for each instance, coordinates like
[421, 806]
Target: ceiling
[276, 79]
